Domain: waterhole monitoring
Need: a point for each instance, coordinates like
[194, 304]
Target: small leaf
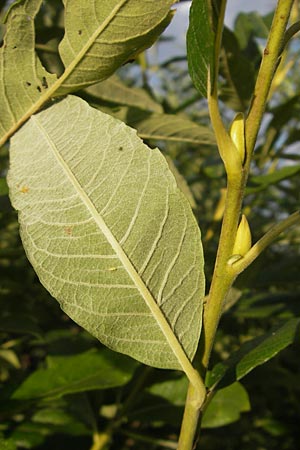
[114, 90]
[276, 176]
[83, 372]
[109, 233]
[173, 128]
[254, 353]
[200, 44]
[226, 406]
[234, 67]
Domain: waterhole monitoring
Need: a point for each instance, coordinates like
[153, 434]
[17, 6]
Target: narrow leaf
[173, 128]
[276, 176]
[200, 44]
[114, 90]
[83, 372]
[254, 353]
[109, 233]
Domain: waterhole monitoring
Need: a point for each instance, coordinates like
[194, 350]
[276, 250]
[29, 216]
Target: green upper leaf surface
[226, 406]
[101, 36]
[78, 373]
[108, 232]
[200, 44]
[253, 353]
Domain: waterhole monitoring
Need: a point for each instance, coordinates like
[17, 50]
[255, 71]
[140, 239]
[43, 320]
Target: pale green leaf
[173, 128]
[114, 90]
[101, 36]
[109, 233]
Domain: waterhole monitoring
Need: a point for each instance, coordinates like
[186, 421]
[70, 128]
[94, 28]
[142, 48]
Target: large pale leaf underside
[108, 232]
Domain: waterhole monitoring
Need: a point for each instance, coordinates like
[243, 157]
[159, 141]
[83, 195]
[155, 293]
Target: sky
[177, 28]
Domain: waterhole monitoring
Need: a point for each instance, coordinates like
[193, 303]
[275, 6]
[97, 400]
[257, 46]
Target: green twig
[223, 276]
[190, 420]
[271, 235]
[266, 72]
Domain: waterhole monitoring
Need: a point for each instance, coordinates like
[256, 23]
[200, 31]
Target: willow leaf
[23, 80]
[200, 44]
[99, 37]
[173, 128]
[109, 233]
[114, 90]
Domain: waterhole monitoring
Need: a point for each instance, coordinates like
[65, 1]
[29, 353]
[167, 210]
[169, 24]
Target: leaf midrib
[128, 266]
[68, 70]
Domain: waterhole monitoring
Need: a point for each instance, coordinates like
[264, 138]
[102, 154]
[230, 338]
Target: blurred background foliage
[59, 388]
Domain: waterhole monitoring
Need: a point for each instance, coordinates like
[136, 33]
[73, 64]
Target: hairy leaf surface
[108, 232]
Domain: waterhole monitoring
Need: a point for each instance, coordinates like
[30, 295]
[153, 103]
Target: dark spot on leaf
[44, 83]
[121, 148]
[68, 231]
[266, 51]
[79, 32]
[39, 88]
[14, 46]
[28, 83]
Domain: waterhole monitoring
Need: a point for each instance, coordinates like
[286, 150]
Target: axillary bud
[237, 134]
[243, 238]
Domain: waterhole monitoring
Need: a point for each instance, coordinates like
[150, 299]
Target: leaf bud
[243, 238]
[237, 134]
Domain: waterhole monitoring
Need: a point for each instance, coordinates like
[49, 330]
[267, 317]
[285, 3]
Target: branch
[266, 73]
